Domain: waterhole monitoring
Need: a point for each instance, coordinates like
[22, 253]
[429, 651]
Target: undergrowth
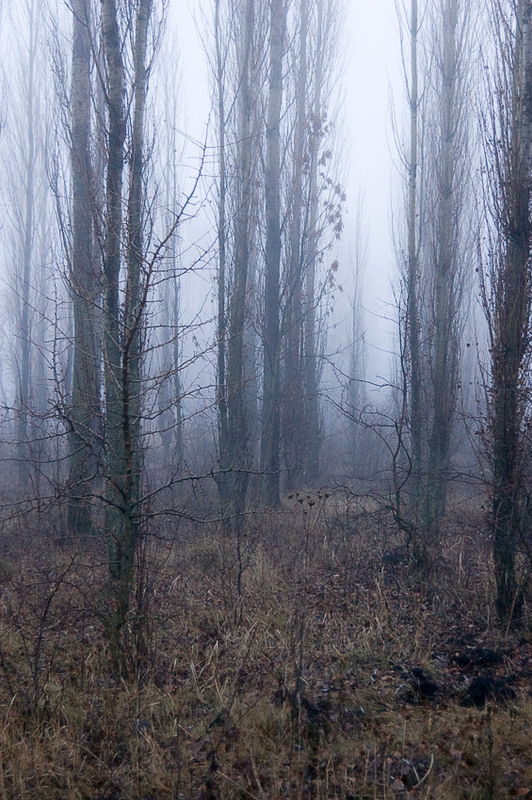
[345, 678]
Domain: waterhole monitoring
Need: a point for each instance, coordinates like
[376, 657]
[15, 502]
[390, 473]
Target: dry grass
[311, 696]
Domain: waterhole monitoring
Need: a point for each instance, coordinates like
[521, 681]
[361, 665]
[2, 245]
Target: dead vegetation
[345, 679]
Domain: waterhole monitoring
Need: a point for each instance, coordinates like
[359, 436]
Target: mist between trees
[171, 348]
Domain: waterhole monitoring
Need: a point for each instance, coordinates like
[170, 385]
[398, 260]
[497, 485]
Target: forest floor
[334, 673]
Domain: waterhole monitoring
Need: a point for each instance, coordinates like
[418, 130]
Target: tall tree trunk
[270, 441]
[118, 522]
[237, 421]
[133, 312]
[123, 342]
[24, 377]
[178, 450]
[512, 324]
[293, 401]
[413, 311]
[310, 365]
[234, 449]
[223, 479]
[85, 406]
[175, 437]
[445, 366]
[448, 248]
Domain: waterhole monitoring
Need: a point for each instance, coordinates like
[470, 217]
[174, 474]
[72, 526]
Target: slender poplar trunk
[413, 313]
[447, 269]
[223, 480]
[238, 424]
[270, 441]
[24, 377]
[310, 366]
[117, 516]
[294, 410]
[512, 327]
[234, 450]
[133, 312]
[176, 366]
[84, 288]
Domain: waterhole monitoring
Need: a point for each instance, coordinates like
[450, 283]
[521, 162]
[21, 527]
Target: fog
[369, 95]
[265, 398]
[254, 265]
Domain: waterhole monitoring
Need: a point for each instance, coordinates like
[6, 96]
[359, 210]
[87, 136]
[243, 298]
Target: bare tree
[220, 80]
[313, 219]
[271, 419]
[507, 287]
[435, 259]
[171, 390]
[133, 312]
[84, 282]
[293, 397]
[325, 38]
[412, 276]
[447, 246]
[118, 517]
[238, 66]
[29, 223]
[23, 180]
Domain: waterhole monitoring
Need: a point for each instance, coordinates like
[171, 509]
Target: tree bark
[117, 517]
[447, 255]
[133, 312]
[24, 365]
[512, 326]
[221, 388]
[294, 408]
[84, 288]
[310, 363]
[234, 423]
[270, 441]
[416, 414]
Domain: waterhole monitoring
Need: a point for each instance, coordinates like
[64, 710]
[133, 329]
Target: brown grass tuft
[345, 678]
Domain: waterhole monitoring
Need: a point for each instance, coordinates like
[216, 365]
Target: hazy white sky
[373, 77]
[373, 82]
